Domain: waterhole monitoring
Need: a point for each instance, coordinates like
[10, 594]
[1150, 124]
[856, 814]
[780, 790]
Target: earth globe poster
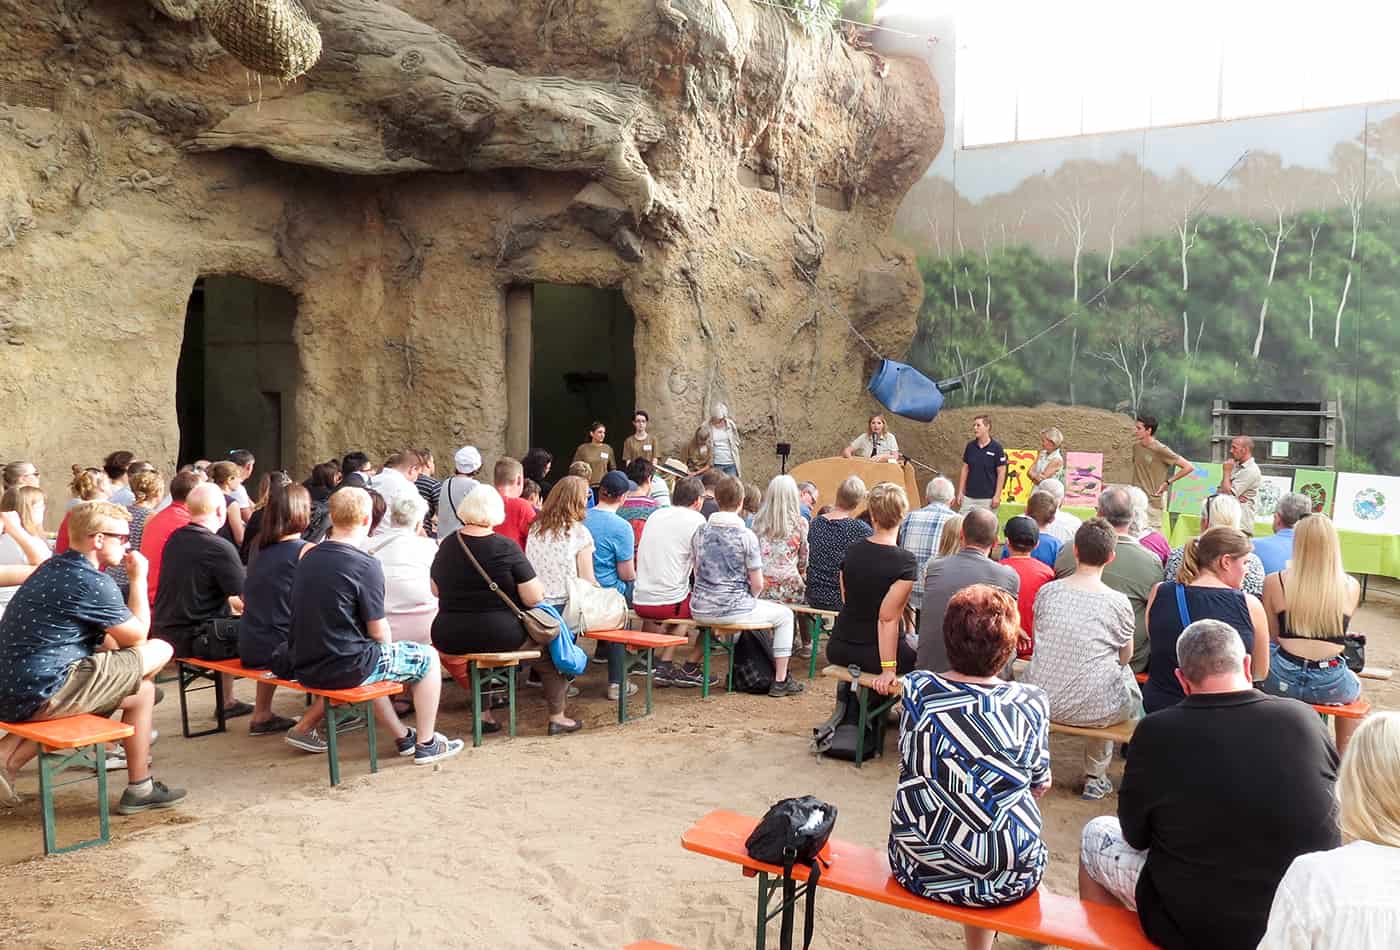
[1271, 489]
[1369, 503]
[1318, 484]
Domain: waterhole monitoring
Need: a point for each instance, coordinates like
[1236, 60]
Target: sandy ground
[535, 842]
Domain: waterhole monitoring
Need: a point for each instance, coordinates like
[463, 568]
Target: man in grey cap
[467, 462]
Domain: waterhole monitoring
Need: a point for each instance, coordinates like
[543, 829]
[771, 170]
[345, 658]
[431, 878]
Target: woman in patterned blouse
[974, 758]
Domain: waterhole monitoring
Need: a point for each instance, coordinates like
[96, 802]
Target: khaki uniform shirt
[635, 448]
[601, 458]
[1151, 463]
[1245, 480]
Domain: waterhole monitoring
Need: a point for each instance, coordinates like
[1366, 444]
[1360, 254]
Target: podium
[828, 474]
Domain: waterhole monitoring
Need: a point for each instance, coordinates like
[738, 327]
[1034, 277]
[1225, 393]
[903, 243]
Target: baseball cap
[1022, 532]
[614, 485]
[467, 459]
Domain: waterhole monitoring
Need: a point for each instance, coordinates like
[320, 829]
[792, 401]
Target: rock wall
[735, 178]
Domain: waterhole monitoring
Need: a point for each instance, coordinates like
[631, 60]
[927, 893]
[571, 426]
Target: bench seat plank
[71, 732]
[638, 638]
[355, 694]
[1121, 732]
[865, 872]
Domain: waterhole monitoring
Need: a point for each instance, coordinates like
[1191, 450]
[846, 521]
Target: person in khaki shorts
[69, 645]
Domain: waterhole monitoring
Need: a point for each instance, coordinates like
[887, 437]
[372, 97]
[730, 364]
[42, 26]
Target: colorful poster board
[1319, 485]
[1271, 489]
[1367, 503]
[1190, 493]
[1018, 480]
[1083, 479]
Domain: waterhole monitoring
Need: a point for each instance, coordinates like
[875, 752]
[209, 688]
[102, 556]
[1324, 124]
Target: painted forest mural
[1256, 259]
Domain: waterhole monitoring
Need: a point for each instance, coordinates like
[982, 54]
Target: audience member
[378, 509]
[1083, 642]
[876, 578]
[699, 452]
[665, 562]
[753, 497]
[508, 478]
[614, 561]
[537, 463]
[1045, 550]
[559, 547]
[115, 467]
[808, 494]
[1050, 460]
[782, 542]
[1022, 541]
[923, 529]
[355, 471]
[22, 547]
[1221, 511]
[530, 492]
[724, 442]
[950, 542]
[1206, 588]
[224, 476]
[267, 484]
[1348, 898]
[398, 479]
[640, 504]
[729, 578]
[1141, 526]
[69, 646]
[1041, 509]
[1155, 467]
[405, 556]
[16, 474]
[1064, 525]
[201, 584]
[244, 461]
[641, 444]
[429, 487]
[1220, 794]
[472, 618]
[88, 484]
[341, 639]
[267, 612]
[161, 525]
[983, 473]
[944, 577]
[1240, 477]
[455, 489]
[828, 536]
[974, 756]
[876, 443]
[597, 453]
[1134, 570]
[1309, 606]
[146, 488]
[324, 477]
[1274, 550]
[708, 481]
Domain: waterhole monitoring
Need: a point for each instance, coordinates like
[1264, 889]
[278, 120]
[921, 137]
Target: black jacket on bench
[1224, 791]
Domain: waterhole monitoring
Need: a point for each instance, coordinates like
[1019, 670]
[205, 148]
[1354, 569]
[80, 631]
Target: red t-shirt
[61, 544]
[520, 514]
[1034, 575]
[159, 527]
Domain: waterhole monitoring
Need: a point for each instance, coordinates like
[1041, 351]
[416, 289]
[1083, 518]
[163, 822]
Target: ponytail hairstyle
[90, 484]
[1204, 553]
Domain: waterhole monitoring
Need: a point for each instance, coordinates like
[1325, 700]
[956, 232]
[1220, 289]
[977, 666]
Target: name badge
[647, 447]
[602, 455]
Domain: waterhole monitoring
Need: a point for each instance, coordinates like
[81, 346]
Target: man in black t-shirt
[201, 582]
[983, 470]
[340, 637]
[1220, 794]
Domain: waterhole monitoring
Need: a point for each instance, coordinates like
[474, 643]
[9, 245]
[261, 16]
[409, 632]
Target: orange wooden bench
[341, 704]
[1357, 709]
[484, 671]
[646, 644]
[74, 740]
[865, 872]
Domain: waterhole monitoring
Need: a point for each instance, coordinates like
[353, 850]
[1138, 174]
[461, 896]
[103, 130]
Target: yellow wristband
[887, 664]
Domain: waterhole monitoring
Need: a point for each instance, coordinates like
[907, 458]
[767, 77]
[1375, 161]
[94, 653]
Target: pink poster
[1083, 479]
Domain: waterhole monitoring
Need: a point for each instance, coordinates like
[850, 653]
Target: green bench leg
[367, 710]
[510, 696]
[629, 665]
[496, 676]
[332, 744]
[53, 763]
[475, 672]
[815, 626]
[764, 892]
[880, 710]
[336, 715]
[705, 662]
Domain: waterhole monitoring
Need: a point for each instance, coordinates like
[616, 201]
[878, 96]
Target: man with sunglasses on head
[69, 645]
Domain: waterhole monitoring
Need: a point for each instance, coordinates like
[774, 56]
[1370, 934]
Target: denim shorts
[1335, 686]
[402, 661]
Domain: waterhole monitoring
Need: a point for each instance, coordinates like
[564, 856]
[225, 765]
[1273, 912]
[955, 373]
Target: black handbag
[1354, 651]
[216, 640]
[794, 831]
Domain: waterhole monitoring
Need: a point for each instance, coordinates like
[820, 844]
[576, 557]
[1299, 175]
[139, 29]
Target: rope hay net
[272, 37]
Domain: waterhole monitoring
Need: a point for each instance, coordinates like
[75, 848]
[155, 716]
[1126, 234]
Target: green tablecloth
[1362, 553]
[1010, 509]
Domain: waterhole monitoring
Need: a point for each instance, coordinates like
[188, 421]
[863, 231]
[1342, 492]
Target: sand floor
[570, 842]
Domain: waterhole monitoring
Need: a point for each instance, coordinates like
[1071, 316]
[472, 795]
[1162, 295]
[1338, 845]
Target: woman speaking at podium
[877, 443]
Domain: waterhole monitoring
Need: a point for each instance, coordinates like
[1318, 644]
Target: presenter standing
[983, 474]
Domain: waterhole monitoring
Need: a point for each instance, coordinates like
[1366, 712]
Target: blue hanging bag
[564, 651]
[905, 391]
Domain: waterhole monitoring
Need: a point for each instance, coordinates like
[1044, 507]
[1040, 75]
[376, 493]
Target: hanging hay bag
[272, 37]
[905, 391]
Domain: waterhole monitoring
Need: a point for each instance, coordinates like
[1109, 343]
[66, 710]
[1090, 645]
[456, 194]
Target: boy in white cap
[467, 461]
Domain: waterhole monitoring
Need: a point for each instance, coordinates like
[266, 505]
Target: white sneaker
[613, 690]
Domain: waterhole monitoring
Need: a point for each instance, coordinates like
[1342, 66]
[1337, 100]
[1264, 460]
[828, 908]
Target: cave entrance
[582, 366]
[238, 375]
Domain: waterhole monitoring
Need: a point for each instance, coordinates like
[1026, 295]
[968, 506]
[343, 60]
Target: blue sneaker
[440, 748]
[406, 744]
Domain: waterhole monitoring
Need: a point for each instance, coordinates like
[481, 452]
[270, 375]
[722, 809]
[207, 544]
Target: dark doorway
[238, 373]
[583, 368]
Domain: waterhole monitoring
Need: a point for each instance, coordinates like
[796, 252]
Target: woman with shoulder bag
[474, 618]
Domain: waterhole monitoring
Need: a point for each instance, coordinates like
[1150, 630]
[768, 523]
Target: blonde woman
[950, 541]
[22, 546]
[146, 488]
[1050, 460]
[876, 580]
[1348, 897]
[782, 542]
[1221, 511]
[877, 443]
[88, 484]
[224, 474]
[1310, 605]
[699, 452]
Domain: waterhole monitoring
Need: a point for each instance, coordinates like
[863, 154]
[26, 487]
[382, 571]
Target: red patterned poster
[1018, 481]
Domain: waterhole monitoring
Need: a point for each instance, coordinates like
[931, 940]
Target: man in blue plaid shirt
[922, 530]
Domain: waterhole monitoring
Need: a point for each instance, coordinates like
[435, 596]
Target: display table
[1362, 553]
[1010, 509]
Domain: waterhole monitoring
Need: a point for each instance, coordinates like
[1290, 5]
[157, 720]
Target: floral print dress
[785, 566]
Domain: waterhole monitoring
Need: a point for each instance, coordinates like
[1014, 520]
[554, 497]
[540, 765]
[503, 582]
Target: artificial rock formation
[735, 178]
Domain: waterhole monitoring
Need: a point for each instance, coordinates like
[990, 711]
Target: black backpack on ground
[838, 735]
[753, 667]
[794, 831]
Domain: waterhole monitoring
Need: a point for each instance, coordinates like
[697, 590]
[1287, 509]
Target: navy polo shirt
[982, 463]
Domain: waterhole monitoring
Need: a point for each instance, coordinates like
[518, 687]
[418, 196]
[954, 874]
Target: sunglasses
[123, 539]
